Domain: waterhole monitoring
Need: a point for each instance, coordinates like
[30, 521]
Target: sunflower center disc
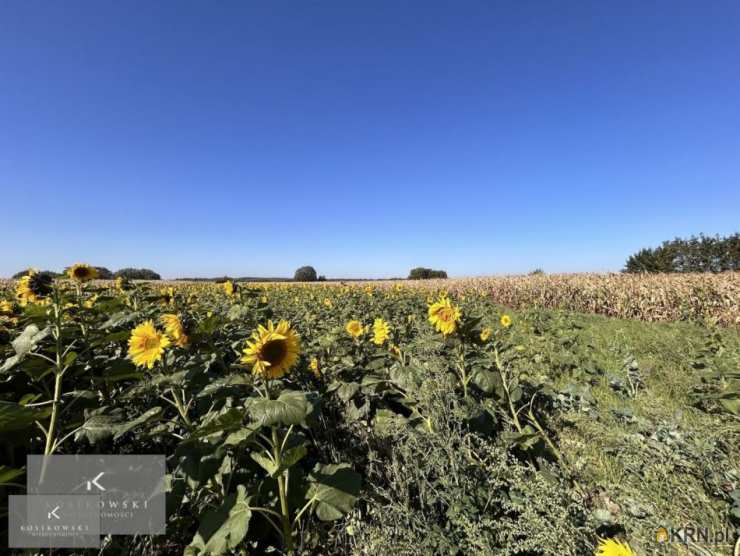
[274, 351]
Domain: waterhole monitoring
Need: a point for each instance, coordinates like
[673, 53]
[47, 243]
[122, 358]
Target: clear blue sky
[364, 138]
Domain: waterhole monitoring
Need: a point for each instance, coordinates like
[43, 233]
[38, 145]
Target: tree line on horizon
[696, 254]
[700, 253]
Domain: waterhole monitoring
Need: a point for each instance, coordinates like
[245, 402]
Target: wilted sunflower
[273, 350]
[354, 328]
[34, 287]
[146, 345]
[174, 329]
[381, 332]
[612, 547]
[505, 321]
[82, 272]
[485, 334]
[444, 316]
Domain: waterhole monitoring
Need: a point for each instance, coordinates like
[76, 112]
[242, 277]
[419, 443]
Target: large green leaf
[290, 408]
[334, 489]
[7, 474]
[16, 417]
[230, 420]
[29, 338]
[221, 530]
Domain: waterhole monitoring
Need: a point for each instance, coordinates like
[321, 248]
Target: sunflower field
[378, 419]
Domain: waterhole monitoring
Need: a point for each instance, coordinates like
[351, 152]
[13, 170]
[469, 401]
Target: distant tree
[138, 274]
[104, 273]
[422, 273]
[49, 273]
[696, 254]
[536, 272]
[305, 274]
[322, 278]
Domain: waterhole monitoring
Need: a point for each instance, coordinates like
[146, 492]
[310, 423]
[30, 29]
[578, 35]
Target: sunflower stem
[282, 491]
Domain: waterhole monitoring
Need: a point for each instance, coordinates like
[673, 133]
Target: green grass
[670, 463]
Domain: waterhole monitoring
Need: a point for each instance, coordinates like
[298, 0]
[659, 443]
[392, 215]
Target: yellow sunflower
[82, 272]
[123, 284]
[273, 350]
[485, 334]
[146, 345]
[354, 328]
[34, 287]
[315, 367]
[444, 315]
[168, 295]
[612, 547]
[381, 332]
[174, 329]
[505, 321]
[6, 307]
[230, 288]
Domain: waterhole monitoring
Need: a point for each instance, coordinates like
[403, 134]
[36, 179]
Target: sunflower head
[381, 332]
[34, 287]
[272, 350]
[146, 345]
[230, 288]
[168, 295]
[613, 547]
[505, 321]
[444, 315]
[315, 367]
[354, 328]
[485, 334]
[175, 329]
[82, 272]
[6, 307]
[123, 284]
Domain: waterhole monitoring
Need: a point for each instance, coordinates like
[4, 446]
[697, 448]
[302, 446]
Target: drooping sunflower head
[34, 287]
[354, 328]
[444, 315]
[146, 345]
[505, 321]
[175, 329]
[381, 332]
[613, 547]
[272, 350]
[82, 272]
[485, 334]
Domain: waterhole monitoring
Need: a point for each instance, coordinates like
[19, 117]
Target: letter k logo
[53, 513]
[95, 482]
